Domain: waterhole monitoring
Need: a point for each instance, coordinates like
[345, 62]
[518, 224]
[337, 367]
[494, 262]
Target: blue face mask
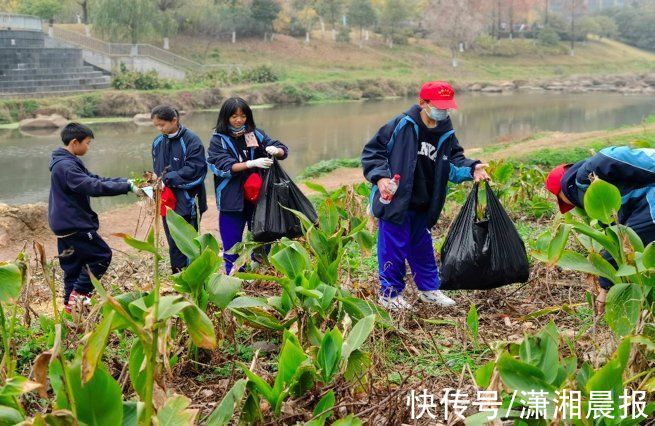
[437, 114]
[238, 130]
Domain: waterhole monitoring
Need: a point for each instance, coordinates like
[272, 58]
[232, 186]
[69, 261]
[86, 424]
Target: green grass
[323, 167]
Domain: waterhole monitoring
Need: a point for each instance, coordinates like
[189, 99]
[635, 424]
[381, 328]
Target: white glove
[137, 191]
[273, 150]
[260, 163]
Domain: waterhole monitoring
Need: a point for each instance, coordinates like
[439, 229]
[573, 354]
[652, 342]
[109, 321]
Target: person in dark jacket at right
[632, 171]
[178, 156]
[238, 149]
[71, 218]
[420, 146]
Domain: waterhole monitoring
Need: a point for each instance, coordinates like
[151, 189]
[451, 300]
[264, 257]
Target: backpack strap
[403, 121]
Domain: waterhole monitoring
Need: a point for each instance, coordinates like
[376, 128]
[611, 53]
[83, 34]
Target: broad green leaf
[137, 368]
[473, 323]
[291, 357]
[208, 241]
[365, 240]
[358, 364]
[541, 351]
[138, 244]
[10, 416]
[183, 234]
[10, 282]
[222, 289]
[328, 217]
[349, 420]
[100, 401]
[358, 335]
[649, 256]
[626, 270]
[199, 327]
[358, 308]
[483, 374]
[291, 260]
[557, 244]
[622, 307]
[132, 413]
[610, 376]
[18, 385]
[320, 411]
[602, 200]
[170, 306]
[231, 402]
[263, 388]
[192, 279]
[316, 187]
[329, 354]
[605, 241]
[576, 262]
[246, 302]
[124, 299]
[633, 238]
[259, 318]
[603, 267]
[95, 347]
[520, 376]
[314, 294]
[176, 412]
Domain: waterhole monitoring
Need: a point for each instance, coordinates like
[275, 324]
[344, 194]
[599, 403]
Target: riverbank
[116, 105]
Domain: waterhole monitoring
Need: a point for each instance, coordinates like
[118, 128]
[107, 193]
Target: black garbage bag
[482, 254]
[271, 221]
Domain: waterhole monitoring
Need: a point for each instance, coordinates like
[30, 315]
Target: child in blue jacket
[179, 157]
[71, 218]
[237, 150]
[632, 171]
[420, 146]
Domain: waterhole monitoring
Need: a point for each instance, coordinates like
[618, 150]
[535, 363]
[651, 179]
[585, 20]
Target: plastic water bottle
[387, 199]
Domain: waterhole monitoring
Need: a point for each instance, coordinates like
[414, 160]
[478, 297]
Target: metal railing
[20, 22]
[126, 49]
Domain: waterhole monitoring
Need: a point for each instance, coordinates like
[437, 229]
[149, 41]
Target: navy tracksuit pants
[179, 260]
[410, 241]
[78, 251]
[231, 226]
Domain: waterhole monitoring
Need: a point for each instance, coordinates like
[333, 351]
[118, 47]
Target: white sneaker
[395, 303]
[436, 297]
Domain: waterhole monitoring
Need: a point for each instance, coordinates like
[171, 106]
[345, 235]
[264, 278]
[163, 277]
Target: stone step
[34, 95]
[44, 71]
[54, 89]
[91, 73]
[13, 85]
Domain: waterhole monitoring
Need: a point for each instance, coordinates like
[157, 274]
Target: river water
[318, 132]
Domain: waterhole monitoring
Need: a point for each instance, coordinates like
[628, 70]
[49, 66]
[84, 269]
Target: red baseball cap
[439, 93]
[554, 185]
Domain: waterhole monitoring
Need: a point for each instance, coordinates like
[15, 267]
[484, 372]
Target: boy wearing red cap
[421, 147]
[632, 171]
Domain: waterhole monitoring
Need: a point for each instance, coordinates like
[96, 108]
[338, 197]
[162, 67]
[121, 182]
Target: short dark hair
[75, 131]
[165, 112]
[229, 107]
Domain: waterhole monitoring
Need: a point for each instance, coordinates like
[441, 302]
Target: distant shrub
[547, 36]
[150, 80]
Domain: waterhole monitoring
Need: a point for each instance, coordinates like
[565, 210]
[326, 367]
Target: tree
[606, 27]
[307, 17]
[84, 4]
[455, 22]
[44, 9]
[361, 14]
[264, 13]
[330, 11]
[166, 24]
[394, 13]
[125, 20]
[9, 5]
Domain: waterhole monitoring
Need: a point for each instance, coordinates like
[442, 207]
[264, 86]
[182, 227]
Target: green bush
[260, 74]
[547, 36]
[150, 80]
[343, 35]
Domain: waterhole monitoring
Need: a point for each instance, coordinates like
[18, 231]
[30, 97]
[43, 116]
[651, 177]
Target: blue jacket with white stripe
[393, 150]
[632, 171]
[221, 156]
[181, 160]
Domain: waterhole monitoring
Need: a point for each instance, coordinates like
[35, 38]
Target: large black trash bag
[271, 220]
[482, 254]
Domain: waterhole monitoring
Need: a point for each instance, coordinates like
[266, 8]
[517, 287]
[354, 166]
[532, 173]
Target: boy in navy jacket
[179, 157]
[632, 171]
[421, 147]
[70, 215]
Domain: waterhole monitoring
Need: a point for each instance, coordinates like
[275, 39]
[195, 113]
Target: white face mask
[437, 114]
